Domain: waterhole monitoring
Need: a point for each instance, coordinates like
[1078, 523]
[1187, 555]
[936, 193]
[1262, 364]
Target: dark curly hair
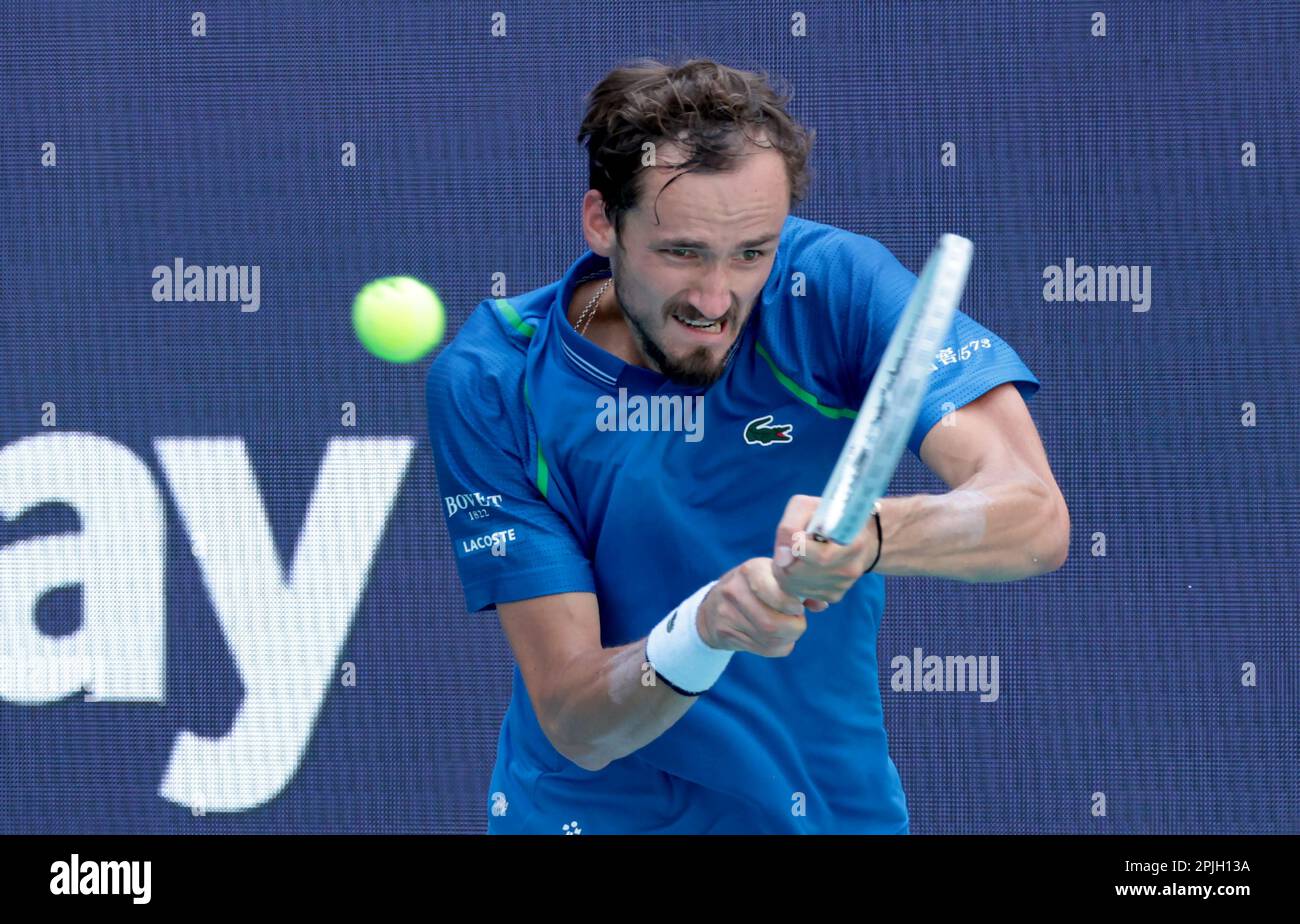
[711, 110]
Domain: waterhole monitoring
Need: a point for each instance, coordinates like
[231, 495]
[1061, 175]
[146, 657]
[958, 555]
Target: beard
[699, 368]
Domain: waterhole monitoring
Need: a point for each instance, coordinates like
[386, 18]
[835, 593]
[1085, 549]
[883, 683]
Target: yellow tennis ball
[398, 318]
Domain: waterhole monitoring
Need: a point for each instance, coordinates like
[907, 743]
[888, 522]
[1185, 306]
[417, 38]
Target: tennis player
[628, 457]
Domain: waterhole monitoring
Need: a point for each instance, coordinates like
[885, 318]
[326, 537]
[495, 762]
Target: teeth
[699, 325]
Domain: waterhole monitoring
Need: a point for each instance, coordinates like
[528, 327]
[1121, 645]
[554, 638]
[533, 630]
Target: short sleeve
[507, 540]
[971, 359]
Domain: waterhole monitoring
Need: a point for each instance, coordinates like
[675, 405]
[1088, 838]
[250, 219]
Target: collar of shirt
[598, 364]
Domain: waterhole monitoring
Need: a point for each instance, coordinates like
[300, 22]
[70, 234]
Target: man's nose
[712, 298]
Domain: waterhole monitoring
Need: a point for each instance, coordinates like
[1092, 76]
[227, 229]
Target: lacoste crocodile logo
[761, 432]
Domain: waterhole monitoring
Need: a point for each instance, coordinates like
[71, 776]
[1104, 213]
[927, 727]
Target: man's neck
[607, 328]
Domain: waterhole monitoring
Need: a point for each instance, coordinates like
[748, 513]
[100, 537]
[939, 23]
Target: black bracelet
[880, 538]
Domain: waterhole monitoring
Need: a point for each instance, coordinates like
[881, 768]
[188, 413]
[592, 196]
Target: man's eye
[681, 252]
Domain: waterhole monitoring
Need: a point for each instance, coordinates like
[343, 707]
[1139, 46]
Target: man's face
[705, 260]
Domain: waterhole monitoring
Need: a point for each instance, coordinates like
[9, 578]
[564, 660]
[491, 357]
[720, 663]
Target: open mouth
[702, 326]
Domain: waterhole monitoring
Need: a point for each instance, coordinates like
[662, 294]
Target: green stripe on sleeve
[802, 394]
[543, 474]
[512, 317]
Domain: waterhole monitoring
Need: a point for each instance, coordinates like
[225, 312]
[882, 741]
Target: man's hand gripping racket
[841, 550]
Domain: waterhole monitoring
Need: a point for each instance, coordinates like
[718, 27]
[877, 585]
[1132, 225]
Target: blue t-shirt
[563, 468]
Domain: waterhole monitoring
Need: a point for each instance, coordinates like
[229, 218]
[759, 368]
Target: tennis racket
[888, 414]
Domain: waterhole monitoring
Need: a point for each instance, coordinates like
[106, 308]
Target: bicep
[993, 434]
[546, 634]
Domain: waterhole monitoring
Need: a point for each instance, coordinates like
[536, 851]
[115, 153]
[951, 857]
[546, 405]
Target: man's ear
[596, 226]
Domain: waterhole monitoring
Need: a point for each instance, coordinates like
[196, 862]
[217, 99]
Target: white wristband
[677, 653]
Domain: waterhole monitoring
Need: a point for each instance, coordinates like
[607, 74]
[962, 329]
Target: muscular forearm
[612, 704]
[987, 529]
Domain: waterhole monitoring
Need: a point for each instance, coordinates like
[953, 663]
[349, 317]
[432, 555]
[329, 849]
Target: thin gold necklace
[589, 312]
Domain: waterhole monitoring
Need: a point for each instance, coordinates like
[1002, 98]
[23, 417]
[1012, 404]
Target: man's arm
[597, 704]
[1004, 519]
[582, 693]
